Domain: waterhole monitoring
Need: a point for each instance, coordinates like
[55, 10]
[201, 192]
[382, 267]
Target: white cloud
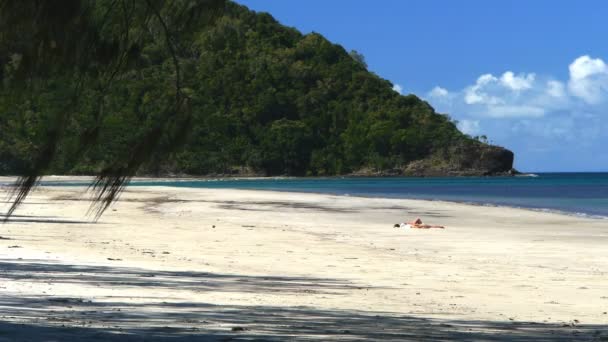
[556, 89]
[439, 92]
[473, 97]
[491, 90]
[530, 109]
[485, 79]
[526, 95]
[585, 66]
[517, 83]
[516, 111]
[398, 88]
[551, 122]
[476, 93]
[470, 127]
[588, 79]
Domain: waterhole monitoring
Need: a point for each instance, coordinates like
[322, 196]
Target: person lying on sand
[417, 223]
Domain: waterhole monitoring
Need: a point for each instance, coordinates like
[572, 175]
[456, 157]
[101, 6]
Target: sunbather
[417, 223]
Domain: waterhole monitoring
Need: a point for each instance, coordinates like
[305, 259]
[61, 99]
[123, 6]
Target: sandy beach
[212, 264]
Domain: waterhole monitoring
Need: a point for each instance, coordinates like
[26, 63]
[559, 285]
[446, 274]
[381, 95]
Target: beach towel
[405, 226]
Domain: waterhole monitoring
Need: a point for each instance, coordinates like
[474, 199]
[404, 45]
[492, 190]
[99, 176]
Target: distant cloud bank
[526, 95]
[534, 112]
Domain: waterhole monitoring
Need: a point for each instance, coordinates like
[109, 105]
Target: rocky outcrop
[469, 159]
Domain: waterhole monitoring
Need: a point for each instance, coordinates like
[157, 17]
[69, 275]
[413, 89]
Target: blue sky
[531, 75]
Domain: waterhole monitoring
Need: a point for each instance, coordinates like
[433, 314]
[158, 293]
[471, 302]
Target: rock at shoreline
[463, 160]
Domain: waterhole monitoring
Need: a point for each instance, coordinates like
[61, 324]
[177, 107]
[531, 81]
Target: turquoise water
[574, 193]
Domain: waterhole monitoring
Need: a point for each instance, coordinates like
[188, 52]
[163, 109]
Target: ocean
[584, 194]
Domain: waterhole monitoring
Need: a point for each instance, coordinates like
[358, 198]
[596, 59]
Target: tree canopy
[60, 64]
[116, 87]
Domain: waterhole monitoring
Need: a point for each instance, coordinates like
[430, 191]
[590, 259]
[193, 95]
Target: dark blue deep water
[575, 193]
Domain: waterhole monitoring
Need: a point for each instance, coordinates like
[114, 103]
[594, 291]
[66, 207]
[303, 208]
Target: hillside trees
[60, 62]
[114, 88]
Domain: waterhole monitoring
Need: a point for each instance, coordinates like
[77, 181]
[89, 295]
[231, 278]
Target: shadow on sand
[117, 318]
[39, 219]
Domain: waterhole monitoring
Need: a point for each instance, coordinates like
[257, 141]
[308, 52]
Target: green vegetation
[253, 96]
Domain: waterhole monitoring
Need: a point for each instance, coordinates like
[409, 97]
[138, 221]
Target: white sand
[289, 265]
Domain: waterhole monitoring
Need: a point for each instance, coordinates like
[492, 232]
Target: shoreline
[466, 203]
[78, 179]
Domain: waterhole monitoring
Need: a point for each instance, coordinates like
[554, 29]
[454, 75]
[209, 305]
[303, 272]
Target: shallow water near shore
[584, 194]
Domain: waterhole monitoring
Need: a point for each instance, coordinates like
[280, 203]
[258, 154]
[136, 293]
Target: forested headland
[262, 98]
